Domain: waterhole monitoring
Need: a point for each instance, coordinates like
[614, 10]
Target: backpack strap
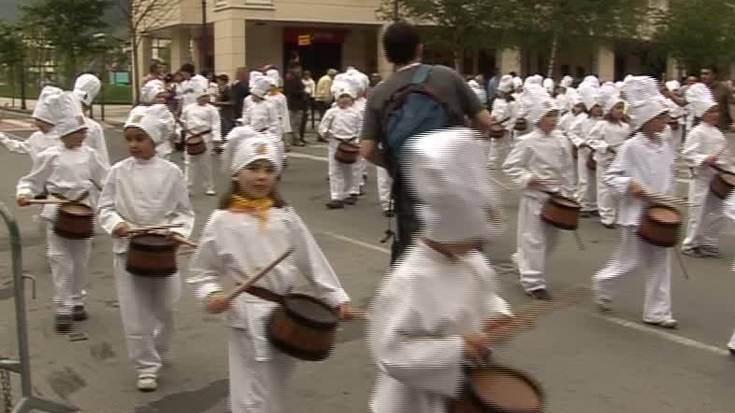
[421, 75]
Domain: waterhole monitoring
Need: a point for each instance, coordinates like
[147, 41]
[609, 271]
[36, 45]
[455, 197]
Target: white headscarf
[253, 77]
[505, 84]
[68, 113]
[86, 88]
[261, 86]
[151, 89]
[609, 97]
[536, 102]
[150, 121]
[644, 99]
[42, 111]
[247, 151]
[566, 81]
[275, 77]
[590, 95]
[549, 85]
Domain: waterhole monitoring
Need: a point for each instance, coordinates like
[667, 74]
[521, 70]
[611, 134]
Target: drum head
[506, 390]
[728, 178]
[77, 209]
[664, 215]
[194, 141]
[310, 310]
[152, 242]
[566, 202]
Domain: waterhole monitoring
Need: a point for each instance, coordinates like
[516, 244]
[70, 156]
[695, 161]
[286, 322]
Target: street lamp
[204, 36]
[101, 37]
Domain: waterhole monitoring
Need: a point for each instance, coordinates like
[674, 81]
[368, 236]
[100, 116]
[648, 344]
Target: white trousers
[69, 260]
[731, 344]
[499, 150]
[385, 184]
[705, 215]
[586, 182]
[606, 203]
[536, 239]
[341, 175]
[358, 171]
[256, 386]
[147, 307]
[199, 166]
[633, 254]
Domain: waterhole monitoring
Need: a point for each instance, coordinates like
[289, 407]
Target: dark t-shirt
[295, 92]
[443, 81]
[723, 97]
[239, 91]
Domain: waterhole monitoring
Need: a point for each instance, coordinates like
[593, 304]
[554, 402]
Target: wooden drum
[498, 389]
[347, 153]
[303, 327]
[660, 225]
[151, 255]
[74, 221]
[561, 212]
[722, 184]
[195, 146]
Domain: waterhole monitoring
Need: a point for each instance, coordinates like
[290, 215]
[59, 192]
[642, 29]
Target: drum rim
[73, 235]
[475, 400]
[152, 248]
[150, 274]
[311, 323]
[63, 209]
[289, 349]
[667, 207]
[555, 200]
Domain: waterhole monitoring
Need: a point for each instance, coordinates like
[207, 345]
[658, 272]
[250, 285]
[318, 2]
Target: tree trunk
[134, 63]
[552, 56]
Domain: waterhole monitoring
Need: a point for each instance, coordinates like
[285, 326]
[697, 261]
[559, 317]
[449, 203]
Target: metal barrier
[22, 366]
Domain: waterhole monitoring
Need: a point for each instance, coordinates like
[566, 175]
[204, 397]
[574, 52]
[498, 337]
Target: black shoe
[351, 200]
[585, 214]
[388, 213]
[63, 323]
[79, 313]
[336, 204]
[298, 143]
[732, 351]
[540, 294]
[320, 139]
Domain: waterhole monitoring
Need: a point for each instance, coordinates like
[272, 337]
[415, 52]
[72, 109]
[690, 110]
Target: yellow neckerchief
[259, 207]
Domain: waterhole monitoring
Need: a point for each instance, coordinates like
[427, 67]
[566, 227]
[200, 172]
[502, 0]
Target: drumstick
[182, 240]
[155, 228]
[241, 289]
[47, 201]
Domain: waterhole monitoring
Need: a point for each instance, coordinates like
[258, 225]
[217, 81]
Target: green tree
[698, 32]
[68, 27]
[12, 52]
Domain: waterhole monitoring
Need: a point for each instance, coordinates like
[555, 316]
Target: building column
[229, 46]
[508, 60]
[180, 46]
[143, 60]
[385, 68]
[605, 63]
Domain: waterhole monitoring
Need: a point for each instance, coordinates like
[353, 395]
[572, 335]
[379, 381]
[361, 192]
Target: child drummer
[438, 308]
[705, 148]
[200, 117]
[66, 171]
[644, 165]
[253, 210]
[541, 162]
[145, 190]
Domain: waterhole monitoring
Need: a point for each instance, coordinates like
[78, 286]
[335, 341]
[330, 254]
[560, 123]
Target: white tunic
[64, 172]
[33, 146]
[606, 137]
[281, 104]
[190, 87]
[261, 116]
[579, 132]
[650, 163]
[96, 139]
[199, 118]
[506, 112]
[544, 157]
[222, 253]
[701, 142]
[566, 122]
[168, 125]
[343, 124]
[417, 320]
[145, 192]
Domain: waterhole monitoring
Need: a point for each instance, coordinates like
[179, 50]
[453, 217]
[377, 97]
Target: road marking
[654, 331]
[307, 156]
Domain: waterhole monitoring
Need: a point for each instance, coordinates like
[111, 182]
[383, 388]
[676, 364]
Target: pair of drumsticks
[175, 237]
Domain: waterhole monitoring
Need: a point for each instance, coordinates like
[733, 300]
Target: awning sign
[304, 40]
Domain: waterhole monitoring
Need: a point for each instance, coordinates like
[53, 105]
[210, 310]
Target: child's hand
[23, 200]
[121, 230]
[636, 189]
[476, 347]
[217, 303]
[347, 312]
[711, 160]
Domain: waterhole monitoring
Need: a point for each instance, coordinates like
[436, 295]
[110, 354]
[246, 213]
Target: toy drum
[74, 221]
[498, 389]
[303, 327]
[561, 212]
[520, 125]
[660, 225]
[195, 145]
[722, 184]
[151, 255]
[347, 153]
[497, 131]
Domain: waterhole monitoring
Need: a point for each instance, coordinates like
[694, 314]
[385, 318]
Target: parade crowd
[444, 148]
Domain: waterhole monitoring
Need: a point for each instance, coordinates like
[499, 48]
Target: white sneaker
[210, 192]
[147, 382]
[669, 323]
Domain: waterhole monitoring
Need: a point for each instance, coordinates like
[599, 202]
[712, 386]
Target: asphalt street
[586, 361]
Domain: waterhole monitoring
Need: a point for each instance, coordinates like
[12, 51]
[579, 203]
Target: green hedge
[114, 94]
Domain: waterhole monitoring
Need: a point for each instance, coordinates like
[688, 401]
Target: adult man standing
[239, 90]
[323, 94]
[723, 97]
[404, 49]
[155, 71]
[295, 92]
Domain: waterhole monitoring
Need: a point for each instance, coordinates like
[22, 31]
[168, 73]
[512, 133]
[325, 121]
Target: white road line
[307, 156]
[654, 331]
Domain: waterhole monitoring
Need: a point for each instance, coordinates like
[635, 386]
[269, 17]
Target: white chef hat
[66, 109]
[148, 120]
[517, 83]
[534, 80]
[645, 100]
[505, 84]
[700, 99]
[275, 77]
[86, 88]
[536, 102]
[589, 95]
[591, 80]
[445, 170]
[151, 89]
[609, 97]
[566, 81]
[253, 77]
[42, 111]
[573, 98]
[673, 85]
[549, 85]
[200, 91]
[249, 149]
[261, 86]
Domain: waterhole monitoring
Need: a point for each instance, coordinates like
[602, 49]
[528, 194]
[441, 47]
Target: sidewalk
[114, 114]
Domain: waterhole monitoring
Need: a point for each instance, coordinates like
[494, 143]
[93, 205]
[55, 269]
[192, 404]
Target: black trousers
[407, 223]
